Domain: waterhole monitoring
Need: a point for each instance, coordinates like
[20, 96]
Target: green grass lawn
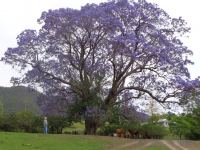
[26, 141]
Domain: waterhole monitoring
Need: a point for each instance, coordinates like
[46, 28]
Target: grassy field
[26, 141]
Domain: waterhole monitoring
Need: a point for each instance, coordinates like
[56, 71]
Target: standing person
[45, 124]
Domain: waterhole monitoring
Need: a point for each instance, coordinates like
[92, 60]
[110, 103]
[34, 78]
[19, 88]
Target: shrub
[57, 124]
[133, 130]
[194, 133]
[37, 124]
[153, 131]
[8, 122]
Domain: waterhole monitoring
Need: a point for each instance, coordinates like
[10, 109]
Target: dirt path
[147, 145]
[131, 145]
[140, 145]
[177, 145]
[125, 146]
[169, 145]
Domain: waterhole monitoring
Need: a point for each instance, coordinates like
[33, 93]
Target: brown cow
[120, 132]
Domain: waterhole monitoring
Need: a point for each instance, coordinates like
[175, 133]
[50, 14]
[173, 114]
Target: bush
[132, 126]
[37, 124]
[8, 122]
[57, 124]
[194, 133]
[153, 131]
[133, 130]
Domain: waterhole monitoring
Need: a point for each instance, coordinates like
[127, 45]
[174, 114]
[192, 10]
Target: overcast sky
[17, 15]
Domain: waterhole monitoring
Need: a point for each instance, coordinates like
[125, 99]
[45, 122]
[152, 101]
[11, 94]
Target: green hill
[18, 98]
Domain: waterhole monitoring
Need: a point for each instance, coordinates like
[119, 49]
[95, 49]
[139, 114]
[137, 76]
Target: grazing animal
[120, 132]
[134, 134]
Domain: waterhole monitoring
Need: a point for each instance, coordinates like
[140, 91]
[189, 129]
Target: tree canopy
[106, 54]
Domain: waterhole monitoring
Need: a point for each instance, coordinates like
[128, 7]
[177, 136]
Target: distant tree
[105, 54]
[180, 125]
[194, 119]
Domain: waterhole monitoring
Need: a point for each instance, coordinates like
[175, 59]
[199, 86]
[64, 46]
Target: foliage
[154, 131]
[28, 122]
[122, 116]
[134, 126]
[194, 133]
[117, 117]
[75, 128]
[57, 124]
[186, 125]
[105, 54]
[37, 124]
[108, 129]
[180, 126]
[194, 119]
[114, 116]
[24, 121]
[8, 122]
[21, 122]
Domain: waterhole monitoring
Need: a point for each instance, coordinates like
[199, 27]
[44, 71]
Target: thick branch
[149, 93]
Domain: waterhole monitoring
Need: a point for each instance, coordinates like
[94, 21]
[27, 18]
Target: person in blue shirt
[45, 124]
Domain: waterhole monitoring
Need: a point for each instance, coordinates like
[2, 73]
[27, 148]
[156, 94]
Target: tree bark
[91, 125]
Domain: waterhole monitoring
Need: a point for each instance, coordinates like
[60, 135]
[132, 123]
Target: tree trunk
[91, 125]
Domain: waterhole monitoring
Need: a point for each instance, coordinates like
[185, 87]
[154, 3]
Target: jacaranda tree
[102, 55]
